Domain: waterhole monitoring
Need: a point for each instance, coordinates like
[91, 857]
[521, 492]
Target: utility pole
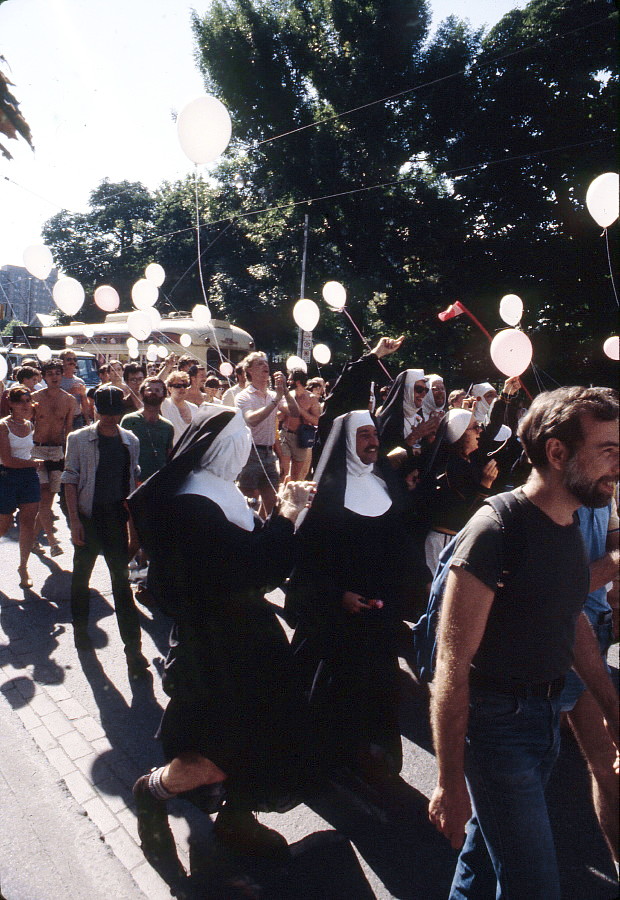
[304, 338]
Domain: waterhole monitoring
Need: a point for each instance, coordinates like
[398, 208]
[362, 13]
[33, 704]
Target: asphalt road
[81, 733]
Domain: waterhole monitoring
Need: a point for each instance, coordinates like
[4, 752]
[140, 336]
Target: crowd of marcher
[205, 484]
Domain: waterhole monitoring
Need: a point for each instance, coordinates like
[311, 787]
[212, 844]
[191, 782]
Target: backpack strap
[514, 536]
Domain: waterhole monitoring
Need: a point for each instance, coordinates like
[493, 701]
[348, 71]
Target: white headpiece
[456, 422]
[219, 466]
[430, 405]
[483, 407]
[365, 493]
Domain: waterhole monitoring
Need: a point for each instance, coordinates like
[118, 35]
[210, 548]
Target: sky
[98, 83]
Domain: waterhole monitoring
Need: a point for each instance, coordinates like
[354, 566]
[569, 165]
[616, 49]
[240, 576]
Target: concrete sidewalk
[75, 733]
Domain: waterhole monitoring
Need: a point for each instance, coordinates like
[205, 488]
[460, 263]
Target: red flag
[454, 310]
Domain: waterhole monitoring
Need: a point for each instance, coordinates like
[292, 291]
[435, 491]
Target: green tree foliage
[109, 244]
[286, 64]
[468, 183]
[540, 116]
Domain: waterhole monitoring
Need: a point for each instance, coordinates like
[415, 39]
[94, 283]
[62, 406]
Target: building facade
[22, 295]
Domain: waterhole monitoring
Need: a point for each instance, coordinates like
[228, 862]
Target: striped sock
[156, 787]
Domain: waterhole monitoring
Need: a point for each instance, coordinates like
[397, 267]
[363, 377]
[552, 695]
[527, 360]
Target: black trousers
[105, 532]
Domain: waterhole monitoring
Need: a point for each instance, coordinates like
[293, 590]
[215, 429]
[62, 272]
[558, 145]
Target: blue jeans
[511, 747]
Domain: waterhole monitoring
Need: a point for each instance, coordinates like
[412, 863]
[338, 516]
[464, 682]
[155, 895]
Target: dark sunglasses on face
[179, 385]
[420, 390]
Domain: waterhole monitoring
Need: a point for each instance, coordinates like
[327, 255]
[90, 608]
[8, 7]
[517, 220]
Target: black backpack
[424, 632]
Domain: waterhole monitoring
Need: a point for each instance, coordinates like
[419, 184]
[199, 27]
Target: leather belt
[541, 689]
[264, 446]
[47, 444]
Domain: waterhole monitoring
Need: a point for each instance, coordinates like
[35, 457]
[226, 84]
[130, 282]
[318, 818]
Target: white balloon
[226, 369]
[511, 351]
[68, 295]
[134, 353]
[155, 273]
[334, 295]
[38, 260]
[162, 352]
[44, 353]
[144, 293]
[132, 343]
[89, 332]
[204, 129]
[69, 342]
[185, 340]
[602, 199]
[296, 362]
[511, 309]
[155, 317]
[322, 354]
[106, 298]
[3, 368]
[611, 347]
[201, 315]
[306, 314]
[139, 325]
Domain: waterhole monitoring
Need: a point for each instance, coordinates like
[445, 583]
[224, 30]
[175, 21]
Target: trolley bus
[108, 339]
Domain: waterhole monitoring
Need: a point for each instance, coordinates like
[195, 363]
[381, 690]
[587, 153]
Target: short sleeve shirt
[156, 440]
[530, 631]
[249, 400]
[69, 383]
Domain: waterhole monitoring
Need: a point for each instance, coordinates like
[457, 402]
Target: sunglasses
[420, 390]
[179, 385]
[70, 362]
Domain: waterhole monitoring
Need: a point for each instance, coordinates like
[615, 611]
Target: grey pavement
[75, 733]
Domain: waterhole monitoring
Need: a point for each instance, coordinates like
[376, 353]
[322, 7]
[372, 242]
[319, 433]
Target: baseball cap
[109, 400]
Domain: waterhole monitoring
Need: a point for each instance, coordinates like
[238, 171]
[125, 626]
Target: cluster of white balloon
[511, 349]
[204, 130]
[602, 200]
[306, 314]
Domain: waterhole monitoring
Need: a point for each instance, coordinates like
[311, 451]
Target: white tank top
[21, 447]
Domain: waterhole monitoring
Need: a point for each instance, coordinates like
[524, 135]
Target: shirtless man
[197, 377]
[295, 460]
[53, 420]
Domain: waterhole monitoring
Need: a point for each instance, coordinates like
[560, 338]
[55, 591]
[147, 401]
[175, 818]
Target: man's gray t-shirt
[530, 631]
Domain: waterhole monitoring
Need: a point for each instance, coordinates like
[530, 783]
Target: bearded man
[506, 640]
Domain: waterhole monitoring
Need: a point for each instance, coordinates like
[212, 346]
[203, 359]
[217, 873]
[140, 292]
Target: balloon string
[475, 320]
[611, 271]
[202, 286]
[365, 342]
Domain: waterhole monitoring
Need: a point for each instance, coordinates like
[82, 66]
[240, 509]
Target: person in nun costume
[231, 732]
[463, 484]
[401, 421]
[436, 399]
[345, 596]
[485, 394]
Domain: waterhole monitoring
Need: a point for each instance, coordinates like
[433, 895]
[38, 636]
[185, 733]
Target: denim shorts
[574, 686]
[17, 487]
[259, 469]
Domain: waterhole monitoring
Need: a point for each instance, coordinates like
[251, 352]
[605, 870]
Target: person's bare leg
[591, 733]
[268, 498]
[6, 522]
[27, 518]
[299, 470]
[285, 468]
[188, 771]
[45, 517]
